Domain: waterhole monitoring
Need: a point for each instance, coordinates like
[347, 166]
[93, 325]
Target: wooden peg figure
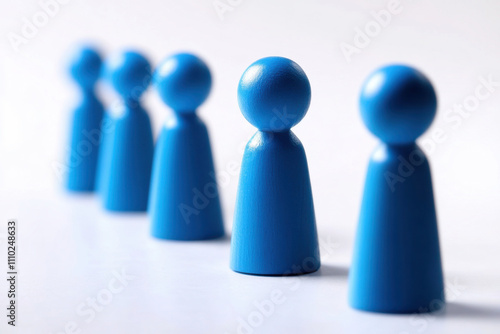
[274, 229]
[184, 201]
[396, 266]
[127, 169]
[86, 124]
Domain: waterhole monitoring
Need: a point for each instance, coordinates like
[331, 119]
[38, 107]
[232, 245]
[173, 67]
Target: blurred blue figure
[126, 166]
[86, 123]
[396, 267]
[184, 201]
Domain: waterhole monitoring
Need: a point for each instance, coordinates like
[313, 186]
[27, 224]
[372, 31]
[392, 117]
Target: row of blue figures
[396, 266]
[125, 169]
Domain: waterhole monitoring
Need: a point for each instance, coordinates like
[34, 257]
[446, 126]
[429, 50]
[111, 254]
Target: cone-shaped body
[128, 170]
[274, 230]
[107, 128]
[396, 266]
[85, 141]
[184, 200]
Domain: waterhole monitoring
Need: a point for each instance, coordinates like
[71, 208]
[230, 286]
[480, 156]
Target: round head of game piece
[398, 104]
[129, 73]
[274, 94]
[183, 82]
[85, 66]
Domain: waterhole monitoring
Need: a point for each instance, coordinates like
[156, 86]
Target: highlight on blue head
[183, 81]
[398, 104]
[85, 66]
[274, 94]
[129, 73]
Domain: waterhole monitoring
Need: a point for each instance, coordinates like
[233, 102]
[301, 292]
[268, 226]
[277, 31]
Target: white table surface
[70, 251]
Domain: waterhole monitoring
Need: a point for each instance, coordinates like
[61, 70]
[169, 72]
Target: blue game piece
[396, 266]
[127, 170]
[184, 199]
[274, 229]
[85, 133]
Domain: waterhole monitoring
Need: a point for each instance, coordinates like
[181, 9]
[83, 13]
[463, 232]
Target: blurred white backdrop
[455, 43]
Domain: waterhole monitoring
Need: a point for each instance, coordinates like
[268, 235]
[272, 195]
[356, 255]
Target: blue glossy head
[129, 73]
[274, 94]
[183, 82]
[85, 66]
[398, 104]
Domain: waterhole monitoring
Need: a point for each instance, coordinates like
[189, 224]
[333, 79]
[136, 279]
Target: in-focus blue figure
[396, 266]
[184, 201]
[274, 229]
[126, 170]
[84, 68]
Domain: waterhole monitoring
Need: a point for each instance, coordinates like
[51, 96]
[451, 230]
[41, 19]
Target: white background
[70, 249]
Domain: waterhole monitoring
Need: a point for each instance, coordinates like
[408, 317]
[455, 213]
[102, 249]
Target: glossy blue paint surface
[184, 202]
[129, 73]
[396, 265]
[274, 228]
[86, 122]
[398, 104]
[183, 81]
[126, 170]
[184, 196]
[274, 102]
